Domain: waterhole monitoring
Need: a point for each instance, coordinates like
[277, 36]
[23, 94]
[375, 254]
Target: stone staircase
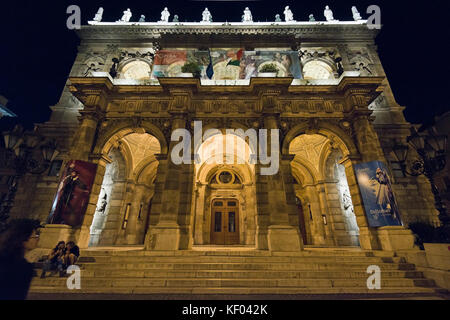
[326, 271]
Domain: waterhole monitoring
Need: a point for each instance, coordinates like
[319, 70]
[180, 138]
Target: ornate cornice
[111, 31]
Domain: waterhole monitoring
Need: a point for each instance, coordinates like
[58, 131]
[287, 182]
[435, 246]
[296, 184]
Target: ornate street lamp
[19, 156]
[431, 148]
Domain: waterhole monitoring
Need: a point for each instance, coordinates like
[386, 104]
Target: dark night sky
[37, 50]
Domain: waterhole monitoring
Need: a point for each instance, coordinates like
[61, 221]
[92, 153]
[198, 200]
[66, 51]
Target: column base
[51, 234]
[261, 238]
[368, 239]
[284, 238]
[163, 237]
[394, 238]
[82, 236]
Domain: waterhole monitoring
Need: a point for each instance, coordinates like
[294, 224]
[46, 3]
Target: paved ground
[75, 296]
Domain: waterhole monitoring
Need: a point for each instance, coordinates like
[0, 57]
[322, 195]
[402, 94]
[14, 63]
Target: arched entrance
[121, 214]
[224, 206]
[322, 185]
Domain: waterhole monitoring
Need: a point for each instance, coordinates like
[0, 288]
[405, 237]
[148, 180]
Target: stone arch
[306, 170]
[125, 66]
[219, 126]
[145, 171]
[205, 191]
[343, 219]
[324, 63]
[337, 136]
[112, 136]
[206, 171]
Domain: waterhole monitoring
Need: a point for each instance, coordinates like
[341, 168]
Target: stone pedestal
[51, 234]
[163, 237]
[368, 239]
[394, 238]
[438, 255]
[284, 238]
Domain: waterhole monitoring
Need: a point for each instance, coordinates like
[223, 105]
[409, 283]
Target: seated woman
[71, 255]
[55, 260]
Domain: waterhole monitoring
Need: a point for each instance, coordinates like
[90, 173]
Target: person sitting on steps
[55, 260]
[72, 254]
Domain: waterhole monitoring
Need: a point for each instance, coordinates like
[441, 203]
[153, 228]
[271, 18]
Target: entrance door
[225, 222]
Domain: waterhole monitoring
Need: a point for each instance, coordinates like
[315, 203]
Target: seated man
[55, 260]
[71, 255]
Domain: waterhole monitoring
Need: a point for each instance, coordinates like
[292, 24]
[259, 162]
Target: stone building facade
[340, 113]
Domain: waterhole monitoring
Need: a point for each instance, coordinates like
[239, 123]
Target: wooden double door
[225, 222]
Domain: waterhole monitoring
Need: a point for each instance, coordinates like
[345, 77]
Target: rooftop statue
[206, 16]
[165, 14]
[126, 16]
[247, 17]
[328, 14]
[277, 18]
[288, 16]
[356, 15]
[175, 18]
[311, 18]
[99, 15]
[142, 19]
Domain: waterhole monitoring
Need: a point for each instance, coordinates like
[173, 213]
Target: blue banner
[378, 198]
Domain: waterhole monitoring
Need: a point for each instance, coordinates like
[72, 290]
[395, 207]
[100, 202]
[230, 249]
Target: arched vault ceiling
[142, 146]
[308, 148]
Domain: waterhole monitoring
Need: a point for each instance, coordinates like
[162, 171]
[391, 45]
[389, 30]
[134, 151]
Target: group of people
[21, 236]
[60, 257]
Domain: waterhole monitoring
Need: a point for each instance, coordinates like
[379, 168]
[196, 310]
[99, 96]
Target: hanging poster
[378, 198]
[72, 197]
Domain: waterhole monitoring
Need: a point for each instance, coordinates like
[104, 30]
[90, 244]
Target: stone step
[218, 259]
[249, 253]
[247, 266]
[241, 290]
[252, 283]
[242, 274]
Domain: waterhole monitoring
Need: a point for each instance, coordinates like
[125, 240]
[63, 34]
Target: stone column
[281, 236]
[166, 234]
[318, 232]
[199, 213]
[329, 239]
[131, 234]
[369, 147]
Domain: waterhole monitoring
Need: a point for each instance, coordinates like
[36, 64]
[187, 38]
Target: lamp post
[19, 156]
[431, 149]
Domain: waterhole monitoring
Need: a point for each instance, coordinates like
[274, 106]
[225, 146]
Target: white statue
[356, 15]
[99, 15]
[288, 16]
[126, 16]
[328, 14]
[247, 17]
[206, 16]
[165, 14]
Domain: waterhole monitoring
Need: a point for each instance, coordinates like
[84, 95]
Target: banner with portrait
[72, 196]
[378, 198]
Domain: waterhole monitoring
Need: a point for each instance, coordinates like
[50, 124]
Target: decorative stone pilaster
[318, 231]
[329, 240]
[281, 236]
[84, 137]
[167, 234]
